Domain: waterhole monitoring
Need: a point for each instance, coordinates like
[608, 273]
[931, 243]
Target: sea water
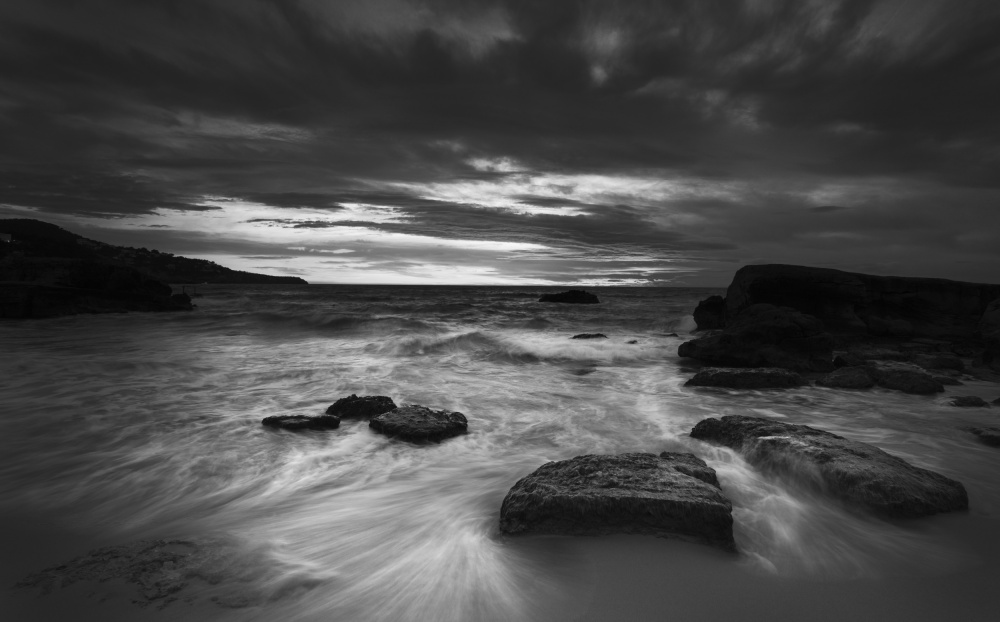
[122, 428]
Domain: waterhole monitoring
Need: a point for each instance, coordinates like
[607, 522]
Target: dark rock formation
[990, 436]
[671, 495]
[847, 378]
[746, 378]
[418, 423]
[302, 422]
[766, 336]
[947, 380]
[710, 313]
[632, 342]
[590, 336]
[989, 329]
[903, 377]
[573, 296]
[848, 302]
[365, 407]
[854, 472]
[969, 401]
[996, 402]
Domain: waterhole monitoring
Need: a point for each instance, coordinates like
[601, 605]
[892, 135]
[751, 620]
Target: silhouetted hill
[37, 239]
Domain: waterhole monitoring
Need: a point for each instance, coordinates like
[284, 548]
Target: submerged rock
[419, 423]
[573, 296]
[847, 378]
[590, 336]
[969, 401]
[948, 380]
[938, 361]
[766, 336]
[903, 377]
[854, 472]
[364, 407]
[632, 342]
[302, 422]
[746, 378]
[990, 436]
[671, 495]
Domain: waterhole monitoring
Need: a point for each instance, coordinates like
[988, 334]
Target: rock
[746, 378]
[573, 296]
[710, 313]
[852, 303]
[989, 330]
[969, 401]
[365, 407]
[181, 299]
[990, 436]
[856, 473]
[670, 495]
[903, 377]
[996, 402]
[947, 380]
[632, 342]
[847, 378]
[590, 336]
[418, 423]
[938, 361]
[847, 359]
[160, 573]
[865, 354]
[766, 336]
[302, 422]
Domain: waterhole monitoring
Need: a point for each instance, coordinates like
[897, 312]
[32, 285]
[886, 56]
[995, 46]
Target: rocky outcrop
[419, 423]
[710, 313]
[670, 495]
[969, 401]
[746, 378]
[302, 422]
[948, 362]
[853, 472]
[590, 336]
[852, 303]
[365, 407]
[766, 336]
[903, 377]
[573, 296]
[847, 378]
[989, 329]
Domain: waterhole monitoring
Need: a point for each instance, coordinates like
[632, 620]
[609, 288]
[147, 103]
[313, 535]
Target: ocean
[125, 428]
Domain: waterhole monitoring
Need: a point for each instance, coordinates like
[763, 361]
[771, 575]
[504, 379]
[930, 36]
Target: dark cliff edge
[862, 304]
[46, 271]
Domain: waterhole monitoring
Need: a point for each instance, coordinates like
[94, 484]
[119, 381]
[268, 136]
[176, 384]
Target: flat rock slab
[419, 423]
[302, 422]
[590, 336]
[746, 378]
[854, 472]
[164, 572]
[670, 495]
[364, 407]
[847, 378]
[573, 296]
[903, 377]
[969, 401]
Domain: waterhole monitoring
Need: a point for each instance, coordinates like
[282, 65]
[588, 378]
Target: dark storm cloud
[118, 108]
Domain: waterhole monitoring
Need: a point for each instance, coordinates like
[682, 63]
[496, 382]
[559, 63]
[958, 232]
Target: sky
[512, 142]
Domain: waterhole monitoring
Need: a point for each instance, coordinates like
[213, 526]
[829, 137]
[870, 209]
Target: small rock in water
[302, 422]
[364, 407]
[573, 296]
[969, 401]
[632, 341]
[419, 423]
[903, 377]
[990, 436]
[590, 336]
[746, 378]
[851, 471]
[847, 378]
[671, 495]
